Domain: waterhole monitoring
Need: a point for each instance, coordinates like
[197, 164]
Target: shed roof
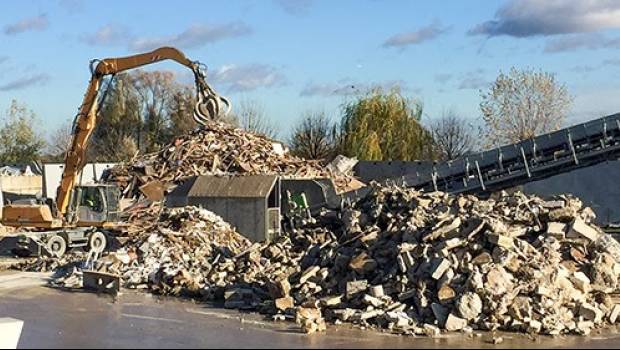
[250, 186]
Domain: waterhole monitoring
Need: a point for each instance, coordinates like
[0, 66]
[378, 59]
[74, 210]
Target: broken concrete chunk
[584, 327]
[591, 313]
[579, 229]
[498, 281]
[279, 289]
[332, 301]
[370, 300]
[454, 323]
[446, 293]
[344, 314]
[370, 314]
[470, 306]
[284, 304]
[482, 258]
[362, 263]
[557, 230]
[534, 327]
[305, 313]
[440, 267]
[431, 331]
[613, 315]
[309, 273]
[377, 291]
[554, 204]
[356, 287]
[445, 230]
[501, 240]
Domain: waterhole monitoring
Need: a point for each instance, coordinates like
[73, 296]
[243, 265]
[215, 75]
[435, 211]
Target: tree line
[143, 110]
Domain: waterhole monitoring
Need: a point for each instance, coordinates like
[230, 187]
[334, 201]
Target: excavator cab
[94, 205]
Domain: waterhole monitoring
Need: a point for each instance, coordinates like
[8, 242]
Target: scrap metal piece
[101, 282]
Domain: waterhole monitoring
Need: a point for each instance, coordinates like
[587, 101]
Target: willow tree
[384, 126]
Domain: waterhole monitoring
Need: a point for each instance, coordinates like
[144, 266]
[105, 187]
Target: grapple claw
[210, 105]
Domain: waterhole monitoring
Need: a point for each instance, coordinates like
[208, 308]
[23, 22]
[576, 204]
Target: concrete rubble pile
[217, 149]
[419, 263]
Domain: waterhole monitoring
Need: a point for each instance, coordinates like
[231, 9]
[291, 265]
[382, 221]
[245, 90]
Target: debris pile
[170, 256]
[217, 149]
[417, 263]
[402, 260]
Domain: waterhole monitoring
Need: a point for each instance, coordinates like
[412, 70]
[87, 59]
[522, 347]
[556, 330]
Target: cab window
[91, 198]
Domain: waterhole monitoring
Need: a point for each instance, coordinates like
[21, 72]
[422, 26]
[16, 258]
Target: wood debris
[218, 149]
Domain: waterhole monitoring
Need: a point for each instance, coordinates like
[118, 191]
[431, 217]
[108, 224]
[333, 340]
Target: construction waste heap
[410, 262]
[219, 149]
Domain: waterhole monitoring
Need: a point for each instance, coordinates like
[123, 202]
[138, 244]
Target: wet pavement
[57, 319]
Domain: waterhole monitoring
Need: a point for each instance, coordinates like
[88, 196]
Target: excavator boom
[209, 106]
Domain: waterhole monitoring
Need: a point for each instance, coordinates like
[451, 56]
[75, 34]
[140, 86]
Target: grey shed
[250, 203]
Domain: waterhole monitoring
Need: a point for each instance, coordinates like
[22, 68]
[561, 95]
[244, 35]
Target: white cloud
[197, 35]
[474, 80]
[419, 36]
[38, 23]
[591, 41]
[248, 77]
[348, 87]
[583, 68]
[24, 82]
[109, 35]
[525, 18]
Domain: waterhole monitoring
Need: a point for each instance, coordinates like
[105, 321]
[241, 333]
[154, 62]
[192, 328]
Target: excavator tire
[97, 242]
[57, 246]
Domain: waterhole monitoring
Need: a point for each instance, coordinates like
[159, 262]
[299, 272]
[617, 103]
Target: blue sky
[298, 55]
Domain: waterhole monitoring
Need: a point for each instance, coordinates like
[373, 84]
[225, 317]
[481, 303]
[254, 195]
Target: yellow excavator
[81, 214]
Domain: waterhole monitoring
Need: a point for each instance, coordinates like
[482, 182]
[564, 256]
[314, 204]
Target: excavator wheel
[97, 242]
[57, 246]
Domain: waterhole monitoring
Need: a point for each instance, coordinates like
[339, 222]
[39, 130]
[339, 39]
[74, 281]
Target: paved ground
[55, 319]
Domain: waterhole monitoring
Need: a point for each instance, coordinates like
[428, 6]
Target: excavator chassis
[56, 243]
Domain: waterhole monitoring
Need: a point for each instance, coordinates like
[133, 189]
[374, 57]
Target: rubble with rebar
[411, 262]
[217, 149]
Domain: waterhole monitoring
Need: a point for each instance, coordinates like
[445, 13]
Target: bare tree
[312, 137]
[454, 137]
[523, 104]
[250, 116]
[155, 90]
[59, 142]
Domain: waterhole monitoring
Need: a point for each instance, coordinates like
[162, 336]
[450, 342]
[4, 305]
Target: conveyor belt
[536, 159]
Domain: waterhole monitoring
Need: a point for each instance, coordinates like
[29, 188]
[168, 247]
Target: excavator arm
[209, 106]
